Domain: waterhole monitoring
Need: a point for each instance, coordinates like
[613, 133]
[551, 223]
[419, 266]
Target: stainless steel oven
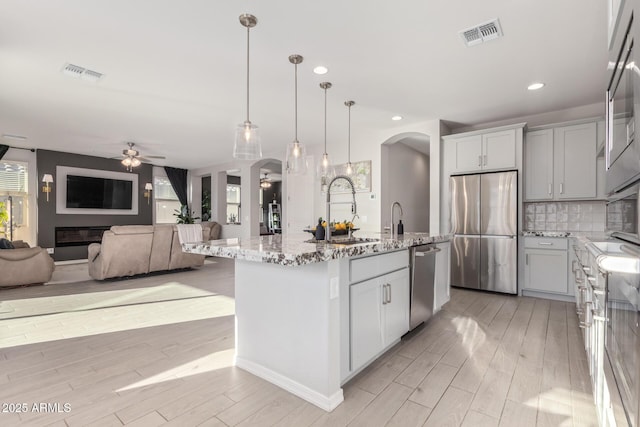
[620, 263]
[622, 214]
[622, 152]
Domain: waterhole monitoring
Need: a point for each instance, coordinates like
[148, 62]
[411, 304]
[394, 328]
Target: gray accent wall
[405, 173]
[48, 220]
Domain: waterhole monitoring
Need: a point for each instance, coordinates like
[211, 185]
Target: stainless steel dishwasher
[423, 269]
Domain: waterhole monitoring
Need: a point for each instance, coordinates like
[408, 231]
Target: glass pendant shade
[349, 169]
[323, 166]
[296, 158]
[247, 144]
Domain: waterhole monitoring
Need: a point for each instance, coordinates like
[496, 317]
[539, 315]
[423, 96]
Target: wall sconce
[148, 188]
[47, 179]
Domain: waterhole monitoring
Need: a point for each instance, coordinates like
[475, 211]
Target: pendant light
[247, 142]
[349, 171]
[323, 167]
[296, 157]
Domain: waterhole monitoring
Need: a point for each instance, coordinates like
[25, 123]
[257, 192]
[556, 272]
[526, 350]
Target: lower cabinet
[545, 266]
[379, 315]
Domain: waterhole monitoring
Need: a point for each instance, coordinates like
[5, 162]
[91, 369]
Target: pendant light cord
[248, 28]
[296, 102]
[325, 120]
[349, 140]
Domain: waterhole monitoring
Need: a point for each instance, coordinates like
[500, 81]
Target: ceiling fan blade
[155, 157]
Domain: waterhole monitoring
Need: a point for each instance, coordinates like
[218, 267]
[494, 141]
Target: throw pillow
[5, 244]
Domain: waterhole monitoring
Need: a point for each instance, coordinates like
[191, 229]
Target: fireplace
[79, 236]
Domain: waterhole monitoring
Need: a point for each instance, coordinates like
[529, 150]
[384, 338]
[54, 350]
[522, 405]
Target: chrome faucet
[393, 229]
[354, 208]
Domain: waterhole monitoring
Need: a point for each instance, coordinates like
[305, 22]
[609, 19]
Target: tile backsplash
[564, 216]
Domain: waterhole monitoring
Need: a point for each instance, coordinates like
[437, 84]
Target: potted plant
[4, 217]
[206, 205]
[185, 215]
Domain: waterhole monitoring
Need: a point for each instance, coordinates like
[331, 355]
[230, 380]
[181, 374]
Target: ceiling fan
[132, 157]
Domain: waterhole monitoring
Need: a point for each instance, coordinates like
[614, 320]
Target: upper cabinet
[538, 165]
[574, 165]
[561, 163]
[484, 151]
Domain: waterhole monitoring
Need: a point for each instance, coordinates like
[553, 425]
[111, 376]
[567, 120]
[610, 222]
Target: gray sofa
[25, 266]
[128, 250]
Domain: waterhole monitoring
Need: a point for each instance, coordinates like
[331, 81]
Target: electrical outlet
[50, 251]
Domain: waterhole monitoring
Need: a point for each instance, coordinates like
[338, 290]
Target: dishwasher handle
[430, 251]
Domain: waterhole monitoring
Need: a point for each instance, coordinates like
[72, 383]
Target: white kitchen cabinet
[468, 153]
[538, 165]
[574, 151]
[366, 321]
[545, 265]
[561, 163]
[395, 312]
[499, 150]
[379, 315]
[443, 276]
[485, 151]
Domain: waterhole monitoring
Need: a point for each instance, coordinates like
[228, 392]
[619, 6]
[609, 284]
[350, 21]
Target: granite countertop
[292, 250]
[546, 234]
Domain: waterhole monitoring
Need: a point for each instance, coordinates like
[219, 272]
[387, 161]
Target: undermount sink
[345, 241]
[352, 241]
[616, 257]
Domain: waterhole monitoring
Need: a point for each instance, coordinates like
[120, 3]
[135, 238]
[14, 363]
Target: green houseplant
[185, 215]
[4, 216]
[206, 205]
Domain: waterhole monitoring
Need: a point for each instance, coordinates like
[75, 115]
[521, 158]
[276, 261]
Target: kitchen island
[309, 316]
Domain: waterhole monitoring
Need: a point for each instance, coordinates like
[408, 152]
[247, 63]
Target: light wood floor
[158, 350]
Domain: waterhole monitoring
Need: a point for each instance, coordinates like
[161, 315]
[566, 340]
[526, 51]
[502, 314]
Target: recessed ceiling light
[321, 70]
[396, 118]
[14, 137]
[535, 86]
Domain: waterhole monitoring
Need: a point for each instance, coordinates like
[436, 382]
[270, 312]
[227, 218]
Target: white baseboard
[72, 261]
[327, 403]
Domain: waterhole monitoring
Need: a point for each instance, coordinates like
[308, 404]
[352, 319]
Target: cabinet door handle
[550, 188]
[526, 259]
[561, 188]
[389, 287]
[545, 243]
[573, 266]
[384, 294]
[479, 160]
[485, 160]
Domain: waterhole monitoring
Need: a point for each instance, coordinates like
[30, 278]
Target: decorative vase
[319, 231]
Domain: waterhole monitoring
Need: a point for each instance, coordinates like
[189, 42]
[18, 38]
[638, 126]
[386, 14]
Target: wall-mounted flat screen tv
[87, 192]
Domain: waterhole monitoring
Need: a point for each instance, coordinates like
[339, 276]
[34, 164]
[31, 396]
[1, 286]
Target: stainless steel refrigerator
[484, 220]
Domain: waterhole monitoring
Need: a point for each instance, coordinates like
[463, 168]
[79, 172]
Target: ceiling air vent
[481, 33]
[81, 72]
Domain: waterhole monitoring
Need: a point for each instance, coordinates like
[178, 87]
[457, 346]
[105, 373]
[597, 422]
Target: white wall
[569, 114]
[365, 145]
[250, 179]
